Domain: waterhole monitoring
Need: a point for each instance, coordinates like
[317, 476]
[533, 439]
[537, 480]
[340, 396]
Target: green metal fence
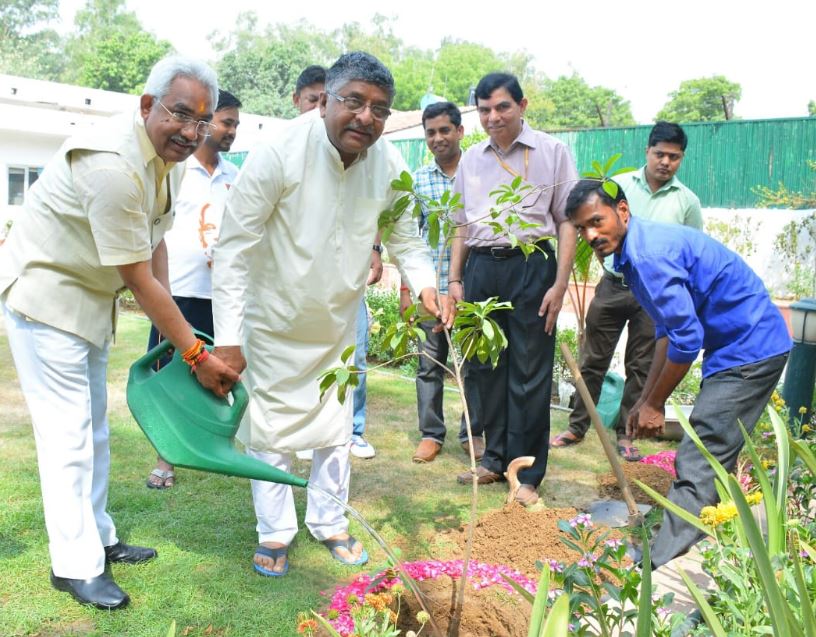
[724, 160]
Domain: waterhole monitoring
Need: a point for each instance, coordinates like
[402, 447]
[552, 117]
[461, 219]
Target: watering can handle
[144, 368]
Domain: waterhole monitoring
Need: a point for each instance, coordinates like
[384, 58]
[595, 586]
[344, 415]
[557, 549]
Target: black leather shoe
[100, 591]
[120, 552]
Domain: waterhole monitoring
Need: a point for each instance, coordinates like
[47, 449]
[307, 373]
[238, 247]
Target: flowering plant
[368, 602]
[764, 582]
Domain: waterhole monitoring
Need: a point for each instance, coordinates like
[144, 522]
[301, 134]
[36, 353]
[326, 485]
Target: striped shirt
[431, 181]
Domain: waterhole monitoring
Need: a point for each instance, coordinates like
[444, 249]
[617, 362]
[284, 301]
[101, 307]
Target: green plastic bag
[610, 400]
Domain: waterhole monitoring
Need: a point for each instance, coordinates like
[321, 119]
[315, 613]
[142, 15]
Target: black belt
[506, 252]
[615, 280]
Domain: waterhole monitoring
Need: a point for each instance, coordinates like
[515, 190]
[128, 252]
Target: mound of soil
[487, 613]
[517, 537]
[651, 475]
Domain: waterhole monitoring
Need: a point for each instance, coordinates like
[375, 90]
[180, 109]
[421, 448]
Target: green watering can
[189, 425]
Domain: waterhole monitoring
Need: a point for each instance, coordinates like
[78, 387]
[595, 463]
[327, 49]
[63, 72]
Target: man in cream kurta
[290, 269]
[93, 224]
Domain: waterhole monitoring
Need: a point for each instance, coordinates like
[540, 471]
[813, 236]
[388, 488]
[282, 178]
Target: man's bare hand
[646, 422]
[376, 271]
[445, 315]
[216, 375]
[232, 356]
[551, 306]
[405, 301]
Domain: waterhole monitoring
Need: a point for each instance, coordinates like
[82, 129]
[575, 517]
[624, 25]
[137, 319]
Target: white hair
[168, 69]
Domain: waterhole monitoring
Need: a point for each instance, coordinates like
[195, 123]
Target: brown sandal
[564, 439]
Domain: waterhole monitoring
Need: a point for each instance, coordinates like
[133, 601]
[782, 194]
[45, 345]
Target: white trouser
[63, 380]
[275, 503]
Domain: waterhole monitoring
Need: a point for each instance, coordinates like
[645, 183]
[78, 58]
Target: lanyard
[504, 165]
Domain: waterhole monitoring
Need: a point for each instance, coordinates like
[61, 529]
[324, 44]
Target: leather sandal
[565, 439]
[164, 476]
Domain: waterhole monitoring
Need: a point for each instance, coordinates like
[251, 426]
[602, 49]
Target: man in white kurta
[290, 269]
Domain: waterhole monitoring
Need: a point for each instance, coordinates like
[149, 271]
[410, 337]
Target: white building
[36, 117]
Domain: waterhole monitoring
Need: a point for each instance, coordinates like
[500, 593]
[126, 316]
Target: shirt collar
[147, 149]
[671, 184]
[632, 230]
[525, 137]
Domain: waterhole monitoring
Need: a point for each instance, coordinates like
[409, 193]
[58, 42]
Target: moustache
[598, 243]
[365, 130]
[182, 141]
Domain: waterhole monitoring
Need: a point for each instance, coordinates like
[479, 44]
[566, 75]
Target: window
[20, 179]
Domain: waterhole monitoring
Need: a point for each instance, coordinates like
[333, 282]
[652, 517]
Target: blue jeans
[360, 361]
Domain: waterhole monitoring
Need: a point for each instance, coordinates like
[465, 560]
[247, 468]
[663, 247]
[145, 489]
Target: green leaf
[557, 623]
[596, 166]
[171, 632]
[611, 162]
[719, 470]
[326, 382]
[540, 602]
[644, 622]
[775, 600]
[433, 232]
[516, 182]
[776, 518]
[525, 594]
[671, 506]
[347, 353]
[809, 622]
[712, 623]
[620, 171]
[610, 188]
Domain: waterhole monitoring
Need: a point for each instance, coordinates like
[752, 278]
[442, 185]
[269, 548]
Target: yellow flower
[423, 617]
[802, 410]
[806, 429]
[708, 516]
[754, 498]
[375, 327]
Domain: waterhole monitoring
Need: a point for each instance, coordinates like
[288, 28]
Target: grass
[204, 528]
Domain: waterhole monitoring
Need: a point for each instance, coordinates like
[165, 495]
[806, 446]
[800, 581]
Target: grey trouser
[430, 383]
[739, 393]
[610, 311]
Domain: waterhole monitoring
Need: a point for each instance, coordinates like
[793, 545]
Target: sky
[641, 48]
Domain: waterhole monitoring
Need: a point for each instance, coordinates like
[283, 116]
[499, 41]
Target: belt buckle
[495, 252]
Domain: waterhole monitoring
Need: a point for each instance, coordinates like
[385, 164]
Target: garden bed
[657, 478]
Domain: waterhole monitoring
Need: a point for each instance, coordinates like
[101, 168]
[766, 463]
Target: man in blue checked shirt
[701, 296]
[443, 133]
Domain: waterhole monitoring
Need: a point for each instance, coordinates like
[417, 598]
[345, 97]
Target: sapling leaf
[610, 188]
[433, 231]
[610, 162]
[516, 182]
[596, 166]
[344, 357]
[620, 171]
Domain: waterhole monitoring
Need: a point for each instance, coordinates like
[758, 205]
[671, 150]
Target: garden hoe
[190, 426]
[611, 513]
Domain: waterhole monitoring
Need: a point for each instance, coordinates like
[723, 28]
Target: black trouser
[197, 312]
[430, 386]
[515, 396]
[611, 310]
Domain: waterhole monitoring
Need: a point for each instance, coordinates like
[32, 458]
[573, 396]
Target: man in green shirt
[654, 192]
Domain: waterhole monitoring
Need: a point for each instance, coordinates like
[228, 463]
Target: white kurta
[289, 270]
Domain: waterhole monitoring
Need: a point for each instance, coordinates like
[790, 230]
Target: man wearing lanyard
[515, 396]
[654, 192]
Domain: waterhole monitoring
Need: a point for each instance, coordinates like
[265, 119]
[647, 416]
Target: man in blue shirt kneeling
[701, 296]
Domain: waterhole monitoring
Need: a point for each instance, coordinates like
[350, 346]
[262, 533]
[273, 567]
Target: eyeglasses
[202, 128]
[355, 105]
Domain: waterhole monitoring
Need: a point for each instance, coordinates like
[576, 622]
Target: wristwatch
[377, 248]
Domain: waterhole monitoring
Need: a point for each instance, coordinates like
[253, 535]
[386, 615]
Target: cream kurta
[289, 271]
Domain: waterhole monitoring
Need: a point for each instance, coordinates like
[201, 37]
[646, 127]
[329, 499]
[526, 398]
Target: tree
[109, 48]
[572, 103]
[812, 108]
[706, 99]
[262, 66]
[27, 47]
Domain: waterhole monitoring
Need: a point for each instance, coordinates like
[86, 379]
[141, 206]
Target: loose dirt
[518, 537]
[487, 613]
[655, 477]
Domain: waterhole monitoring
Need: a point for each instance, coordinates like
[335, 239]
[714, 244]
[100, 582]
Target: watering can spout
[190, 426]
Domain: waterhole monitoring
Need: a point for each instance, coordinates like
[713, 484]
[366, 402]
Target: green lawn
[204, 529]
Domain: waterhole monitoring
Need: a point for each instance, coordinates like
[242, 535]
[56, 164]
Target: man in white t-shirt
[199, 209]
